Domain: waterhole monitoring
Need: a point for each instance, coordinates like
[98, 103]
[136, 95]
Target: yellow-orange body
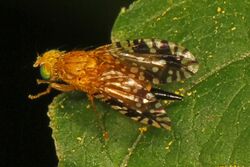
[85, 71]
[82, 70]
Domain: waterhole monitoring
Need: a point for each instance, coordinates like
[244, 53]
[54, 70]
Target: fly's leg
[105, 134]
[62, 87]
[91, 99]
[57, 86]
[47, 91]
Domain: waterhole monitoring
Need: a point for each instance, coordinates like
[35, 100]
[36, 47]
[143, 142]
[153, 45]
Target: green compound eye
[45, 73]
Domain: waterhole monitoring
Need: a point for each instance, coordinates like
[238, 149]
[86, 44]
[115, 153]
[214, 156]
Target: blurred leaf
[211, 126]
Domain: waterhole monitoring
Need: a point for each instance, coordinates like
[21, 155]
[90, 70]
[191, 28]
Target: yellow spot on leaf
[182, 81]
[143, 129]
[168, 145]
[234, 28]
[220, 10]
[79, 138]
[180, 91]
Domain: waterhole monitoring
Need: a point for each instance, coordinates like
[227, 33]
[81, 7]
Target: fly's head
[46, 63]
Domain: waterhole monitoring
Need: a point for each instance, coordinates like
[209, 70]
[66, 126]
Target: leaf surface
[211, 126]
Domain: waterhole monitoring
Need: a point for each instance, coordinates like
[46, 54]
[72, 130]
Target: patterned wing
[162, 61]
[133, 98]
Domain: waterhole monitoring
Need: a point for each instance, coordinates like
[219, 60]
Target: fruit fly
[121, 74]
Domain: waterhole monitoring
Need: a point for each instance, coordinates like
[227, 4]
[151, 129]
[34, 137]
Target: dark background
[28, 27]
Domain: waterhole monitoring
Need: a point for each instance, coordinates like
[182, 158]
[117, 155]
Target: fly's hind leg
[99, 117]
[57, 86]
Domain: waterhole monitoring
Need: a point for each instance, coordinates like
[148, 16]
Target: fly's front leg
[57, 86]
[62, 87]
[47, 91]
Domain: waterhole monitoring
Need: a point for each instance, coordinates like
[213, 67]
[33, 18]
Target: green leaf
[211, 126]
